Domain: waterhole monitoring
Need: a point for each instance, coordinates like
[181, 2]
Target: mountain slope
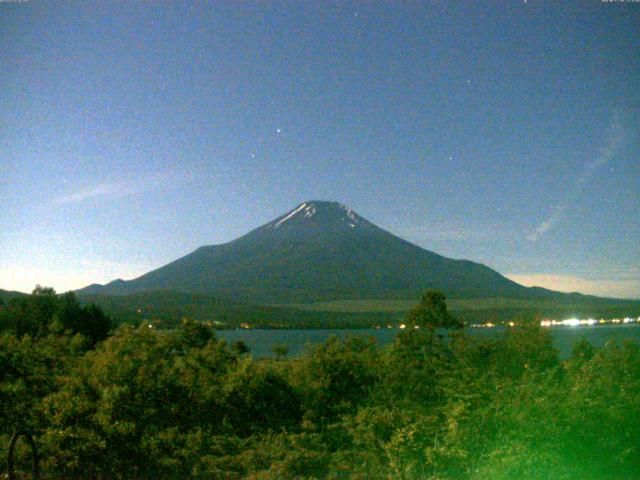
[7, 294]
[320, 251]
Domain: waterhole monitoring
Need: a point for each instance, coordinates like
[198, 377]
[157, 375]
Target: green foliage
[148, 403]
[89, 320]
[240, 348]
[582, 351]
[193, 334]
[336, 377]
[258, 400]
[43, 312]
[138, 389]
[432, 313]
[412, 367]
[29, 369]
[280, 351]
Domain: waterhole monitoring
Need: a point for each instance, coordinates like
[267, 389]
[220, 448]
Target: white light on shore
[572, 322]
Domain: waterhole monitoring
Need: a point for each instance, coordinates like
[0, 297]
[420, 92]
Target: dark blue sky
[504, 132]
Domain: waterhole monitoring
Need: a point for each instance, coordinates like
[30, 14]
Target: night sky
[503, 132]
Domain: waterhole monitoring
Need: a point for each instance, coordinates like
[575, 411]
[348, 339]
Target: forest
[166, 308]
[85, 396]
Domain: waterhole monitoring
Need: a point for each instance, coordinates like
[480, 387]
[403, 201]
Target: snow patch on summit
[329, 211]
[291, 214]
[351, 215]
[309, 211]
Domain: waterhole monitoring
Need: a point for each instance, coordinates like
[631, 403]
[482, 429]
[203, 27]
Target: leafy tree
[240, 348]
[283, 455]
[258, 399]
[431, 313]
[280, 351]
[193, 334]
[336, 377]
[412, 368]
[601, 415]
[30, 315]
[582, 351]
[525, 349]
[30, 370]
[89, 320]
[43, 312]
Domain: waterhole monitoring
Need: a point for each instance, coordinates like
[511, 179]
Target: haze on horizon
[133, 133]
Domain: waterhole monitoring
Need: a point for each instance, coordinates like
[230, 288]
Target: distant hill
[322, 251]
[7, 294]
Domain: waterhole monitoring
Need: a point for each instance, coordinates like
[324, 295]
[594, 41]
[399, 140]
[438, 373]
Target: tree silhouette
[432, 313]
[280, 351]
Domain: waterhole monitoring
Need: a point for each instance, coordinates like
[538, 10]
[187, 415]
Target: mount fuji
[320, 251]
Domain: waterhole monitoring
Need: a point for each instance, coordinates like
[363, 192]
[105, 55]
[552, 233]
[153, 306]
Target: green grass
[374, 305]
[168, 308]
[488, 307]
[360, 306]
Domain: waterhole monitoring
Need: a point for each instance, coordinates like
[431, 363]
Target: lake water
[261, 341]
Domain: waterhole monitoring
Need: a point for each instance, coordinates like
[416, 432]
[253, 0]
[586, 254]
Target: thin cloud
[108, 189]
[122, 188]
[557, 214]
[614, 140]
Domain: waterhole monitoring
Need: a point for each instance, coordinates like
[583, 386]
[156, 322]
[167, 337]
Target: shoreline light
[575, 322]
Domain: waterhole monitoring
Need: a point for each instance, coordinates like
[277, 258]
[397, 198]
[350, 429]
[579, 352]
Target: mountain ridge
[318, 251]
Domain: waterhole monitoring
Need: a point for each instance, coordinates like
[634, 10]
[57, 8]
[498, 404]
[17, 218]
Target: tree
[240, 348]
[280, 351]
[30, 370]
[431, 313]
[337, 376]
[31, 315]
[44, 312]
[258, 399]
[89, 320]
[193, 334]
[134, 402]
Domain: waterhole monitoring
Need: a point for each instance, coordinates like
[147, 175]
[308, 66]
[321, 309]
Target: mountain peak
[319, 212]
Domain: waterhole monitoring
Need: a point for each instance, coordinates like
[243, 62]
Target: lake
[261, 341]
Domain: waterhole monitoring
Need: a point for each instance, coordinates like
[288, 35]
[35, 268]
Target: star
[278, 130]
